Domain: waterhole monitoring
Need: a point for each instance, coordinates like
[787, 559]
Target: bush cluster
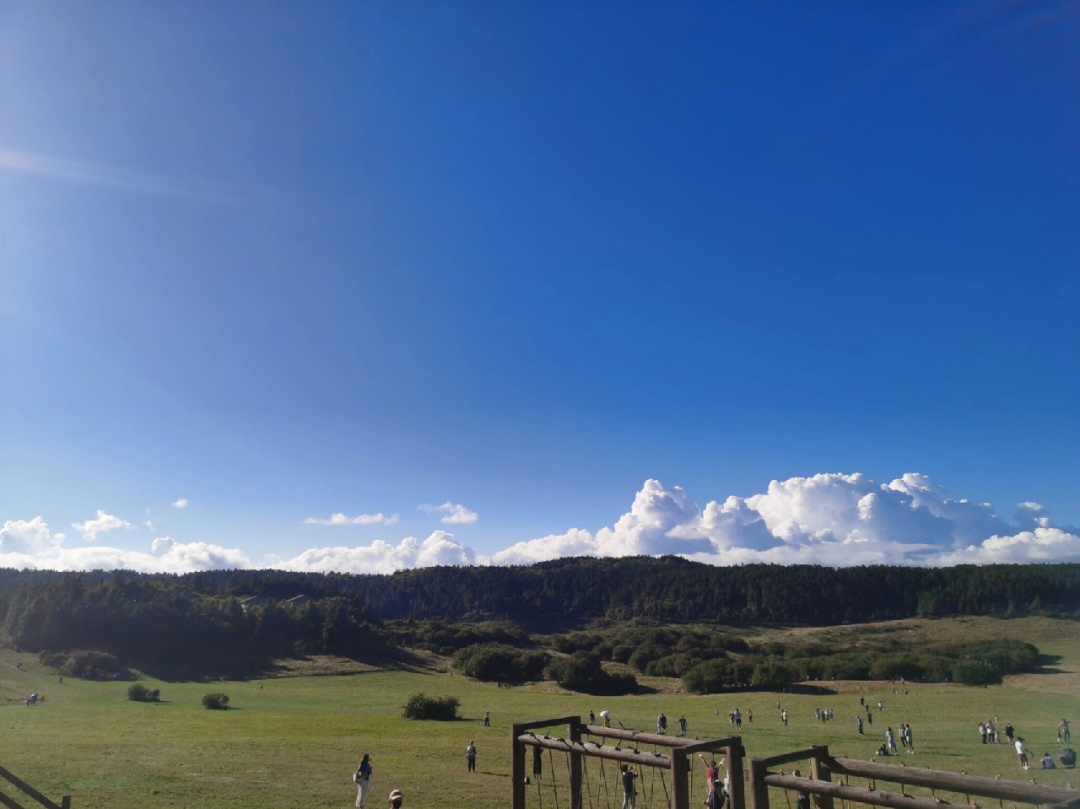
[421, 706]
[216, 702]
[446, 637]
[499, 663]
[86, 664]
[775, 666]
[140, 693]
[668, 651]
[583, 672]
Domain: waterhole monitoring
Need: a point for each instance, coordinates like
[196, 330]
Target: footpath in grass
[294, 742]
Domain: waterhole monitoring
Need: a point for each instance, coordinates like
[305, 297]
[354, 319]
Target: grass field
[294, 741]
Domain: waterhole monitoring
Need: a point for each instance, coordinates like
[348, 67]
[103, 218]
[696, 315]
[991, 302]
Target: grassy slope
[293, 742]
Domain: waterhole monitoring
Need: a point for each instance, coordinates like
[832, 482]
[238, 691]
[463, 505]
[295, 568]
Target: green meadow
[295, 741]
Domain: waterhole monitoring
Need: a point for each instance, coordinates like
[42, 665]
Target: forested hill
[568, 592]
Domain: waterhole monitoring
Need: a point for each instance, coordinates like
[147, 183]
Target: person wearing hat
[395, 799]
[362, 779]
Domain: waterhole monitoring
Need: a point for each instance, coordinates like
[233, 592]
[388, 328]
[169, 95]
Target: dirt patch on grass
[1058, 680]
[848, 686]
[316, 665]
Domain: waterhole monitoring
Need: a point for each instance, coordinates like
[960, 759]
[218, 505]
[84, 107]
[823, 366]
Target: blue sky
[290, 260]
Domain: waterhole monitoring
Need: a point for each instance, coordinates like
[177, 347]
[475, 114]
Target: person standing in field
[890, 740]
[858, 724]
[803, 801]
[783, 717]
[362, 779]
[470, 757]
[629, 788]
[710, 776]
[487, 719]
[1063, 731]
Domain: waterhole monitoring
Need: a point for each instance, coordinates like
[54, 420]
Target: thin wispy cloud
[359, 519]
[453, 513]
[103, 175]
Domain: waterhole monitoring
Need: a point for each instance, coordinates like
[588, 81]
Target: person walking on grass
[362, 779]
[470, 757]
[629, 788]
[858, 724]
[1021, 752]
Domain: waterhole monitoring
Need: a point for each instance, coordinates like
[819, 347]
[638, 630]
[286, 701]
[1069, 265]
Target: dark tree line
[194, 624]
[566, 593]
[164, 627]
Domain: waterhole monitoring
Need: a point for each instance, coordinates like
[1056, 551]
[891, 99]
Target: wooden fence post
[819, 771]
[575, 766]
[735, 776]
[680, 786]
[759, 791]
[517, 770]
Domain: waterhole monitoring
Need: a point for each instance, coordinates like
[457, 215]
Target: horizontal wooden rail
[587, 748]
[29, 790]
[711, 745]
[787, 758]
[638, 736]
[547, 723]
[953, 782]
[856, 794]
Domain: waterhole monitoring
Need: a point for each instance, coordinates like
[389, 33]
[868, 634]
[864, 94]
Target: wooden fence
[819, 785]
[22, 786]
[676, 761]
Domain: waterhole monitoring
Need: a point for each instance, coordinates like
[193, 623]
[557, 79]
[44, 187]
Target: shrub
[421, 706]
[140, 693]
[975, 672]
[86, 664]
[671, 666]
[496, 662]
[707, 677]
[216, 702]
[583, 672]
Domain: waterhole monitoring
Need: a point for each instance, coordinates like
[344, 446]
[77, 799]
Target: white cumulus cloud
[827, 519]
[181, 503]
[360, 519]
[383, 557]
[28, 536]
[165, 556]
[101, 524]
[453, 513]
